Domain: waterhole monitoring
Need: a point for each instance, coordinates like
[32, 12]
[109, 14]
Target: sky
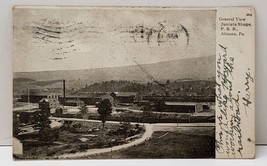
[57, 38]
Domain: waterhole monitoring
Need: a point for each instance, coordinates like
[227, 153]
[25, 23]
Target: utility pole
[177, 119]
[28, 98]
[64, 92]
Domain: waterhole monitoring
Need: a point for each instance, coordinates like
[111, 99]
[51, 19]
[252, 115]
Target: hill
[200, 68]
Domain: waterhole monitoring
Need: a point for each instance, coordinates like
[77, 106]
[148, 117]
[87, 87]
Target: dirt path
[147, 134]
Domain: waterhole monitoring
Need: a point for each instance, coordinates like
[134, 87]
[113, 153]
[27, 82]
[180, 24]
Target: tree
[104, 110]
[43, 122]
[125, 128]
[168, 82]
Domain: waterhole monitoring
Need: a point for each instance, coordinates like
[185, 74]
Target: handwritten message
[230, 104]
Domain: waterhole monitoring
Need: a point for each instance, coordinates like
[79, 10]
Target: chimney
[64, 92]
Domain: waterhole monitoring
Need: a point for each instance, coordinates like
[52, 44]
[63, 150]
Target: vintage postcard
[133, 82]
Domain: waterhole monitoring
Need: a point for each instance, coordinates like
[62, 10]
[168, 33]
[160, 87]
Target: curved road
[147, 134]
[150, 128]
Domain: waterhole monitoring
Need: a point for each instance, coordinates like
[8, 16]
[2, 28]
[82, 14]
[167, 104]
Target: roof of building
[125, 94]
[181, 103]
[73, 101]
[87, 95]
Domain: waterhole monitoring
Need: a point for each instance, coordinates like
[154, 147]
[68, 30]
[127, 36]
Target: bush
[100, 144]
[83, 147]
[51, 153]
[73, 151]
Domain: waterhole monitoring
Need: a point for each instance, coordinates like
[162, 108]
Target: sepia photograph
[113, 83]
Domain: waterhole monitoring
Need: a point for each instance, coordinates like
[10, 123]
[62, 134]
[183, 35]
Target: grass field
[191, 143]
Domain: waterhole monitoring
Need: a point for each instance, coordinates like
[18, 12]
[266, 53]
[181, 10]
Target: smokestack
[64, 92]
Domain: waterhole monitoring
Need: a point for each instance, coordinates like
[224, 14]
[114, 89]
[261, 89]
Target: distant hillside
[178, 87]
[115, 86]
[20, 85]
[201, 68]
[23, 80]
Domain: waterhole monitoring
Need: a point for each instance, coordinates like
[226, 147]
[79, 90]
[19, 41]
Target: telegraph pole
[64, 90]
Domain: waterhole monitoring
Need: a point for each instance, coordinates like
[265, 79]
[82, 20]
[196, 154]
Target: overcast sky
[73, 38]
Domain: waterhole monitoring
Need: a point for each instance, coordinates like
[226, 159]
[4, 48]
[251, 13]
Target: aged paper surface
[133, 82]
[235, 83]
